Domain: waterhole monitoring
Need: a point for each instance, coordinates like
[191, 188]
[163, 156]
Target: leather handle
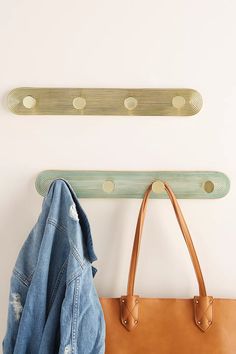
[186, 235]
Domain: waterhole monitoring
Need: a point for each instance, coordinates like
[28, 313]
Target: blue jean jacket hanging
[53, 304]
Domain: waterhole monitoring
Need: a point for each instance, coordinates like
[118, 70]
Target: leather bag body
[199, 325]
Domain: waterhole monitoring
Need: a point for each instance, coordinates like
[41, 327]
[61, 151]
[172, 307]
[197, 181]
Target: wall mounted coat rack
[104, 101]
[132, 184]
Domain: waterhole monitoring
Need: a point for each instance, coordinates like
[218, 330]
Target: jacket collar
[83, 220]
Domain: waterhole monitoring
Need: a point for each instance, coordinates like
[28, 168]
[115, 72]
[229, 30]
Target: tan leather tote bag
[200, 325]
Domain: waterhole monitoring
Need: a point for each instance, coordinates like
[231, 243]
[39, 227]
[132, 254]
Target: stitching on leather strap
[129, 317]
[203, 311]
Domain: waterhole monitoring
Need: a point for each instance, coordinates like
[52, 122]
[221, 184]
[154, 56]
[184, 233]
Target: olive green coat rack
[132, 184]
[104, 101]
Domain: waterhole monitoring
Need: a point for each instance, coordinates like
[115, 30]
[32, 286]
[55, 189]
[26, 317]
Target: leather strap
[203, 300]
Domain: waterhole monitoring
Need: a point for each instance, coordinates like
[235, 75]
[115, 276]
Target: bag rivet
[125, 321]
[123, 300]
[136, 301]
[197, 301]
[199, 322]
[135, 321]
[209, 322]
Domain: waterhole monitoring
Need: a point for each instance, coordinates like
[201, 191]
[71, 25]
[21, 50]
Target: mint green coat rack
[132, 184]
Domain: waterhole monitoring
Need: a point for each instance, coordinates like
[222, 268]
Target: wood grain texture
[106, 101]
[132, 184]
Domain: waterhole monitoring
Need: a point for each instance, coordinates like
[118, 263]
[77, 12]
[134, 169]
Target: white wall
[136, 44]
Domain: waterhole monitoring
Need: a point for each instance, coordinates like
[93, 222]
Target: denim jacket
[53, 304]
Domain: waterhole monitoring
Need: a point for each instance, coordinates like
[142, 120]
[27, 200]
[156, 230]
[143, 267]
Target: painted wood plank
[104, 101]
[132, 184]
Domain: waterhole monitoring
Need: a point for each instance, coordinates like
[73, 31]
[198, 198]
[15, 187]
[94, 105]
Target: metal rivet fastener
[135, 321]
[123, 300]
[125, 321]
[209, 322]
[199, 322]
[197, 301]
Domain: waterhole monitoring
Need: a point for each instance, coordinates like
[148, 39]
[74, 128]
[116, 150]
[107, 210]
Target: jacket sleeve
[17, 297]
[21, 278]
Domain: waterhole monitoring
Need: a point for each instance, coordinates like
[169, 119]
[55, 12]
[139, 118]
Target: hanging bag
[199, 325]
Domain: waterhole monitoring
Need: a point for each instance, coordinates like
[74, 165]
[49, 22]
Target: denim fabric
[53, 304]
